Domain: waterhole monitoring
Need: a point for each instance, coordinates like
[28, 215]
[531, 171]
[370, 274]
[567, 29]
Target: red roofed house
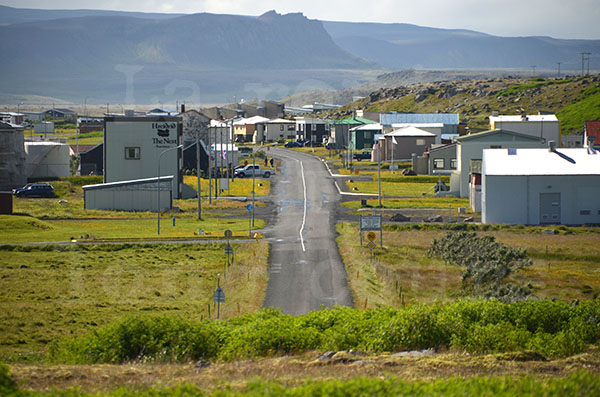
[592, 129]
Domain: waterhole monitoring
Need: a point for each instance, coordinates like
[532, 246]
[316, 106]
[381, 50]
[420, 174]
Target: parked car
[330, 145]
[35, 190]
[245, 151]
[361, 156]
[292, 144]
[255, 170]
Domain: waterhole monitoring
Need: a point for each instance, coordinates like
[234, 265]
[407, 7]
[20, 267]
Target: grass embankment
[49, 292]
[566, 266]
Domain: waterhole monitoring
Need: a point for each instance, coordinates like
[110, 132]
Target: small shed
[134, 195]
[541, 186]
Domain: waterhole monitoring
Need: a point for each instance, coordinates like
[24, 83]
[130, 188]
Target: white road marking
[305, 205]
[305, 201]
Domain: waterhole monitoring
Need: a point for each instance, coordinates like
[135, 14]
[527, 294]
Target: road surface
[305, 268]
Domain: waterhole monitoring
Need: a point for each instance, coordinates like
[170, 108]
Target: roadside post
[250, 209]
[228, 234]
[218, 298]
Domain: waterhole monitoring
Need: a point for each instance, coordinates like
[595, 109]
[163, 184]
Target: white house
[541, 186]
[469, 150]
[544, 126]
[434, 128]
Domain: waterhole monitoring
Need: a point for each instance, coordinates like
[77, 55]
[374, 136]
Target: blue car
[35, 190]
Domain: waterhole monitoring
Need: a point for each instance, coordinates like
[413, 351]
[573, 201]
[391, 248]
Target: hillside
[573, 99]
[403, 46]
[199, 55]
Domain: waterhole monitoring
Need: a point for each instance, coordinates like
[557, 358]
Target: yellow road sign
[371, 236]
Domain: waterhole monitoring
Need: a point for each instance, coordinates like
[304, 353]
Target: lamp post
[158, 187]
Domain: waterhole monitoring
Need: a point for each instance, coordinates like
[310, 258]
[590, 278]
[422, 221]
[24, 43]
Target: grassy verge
[279, 378]
[566, 266]
[22, 229]
[50, 292]
[422, 202]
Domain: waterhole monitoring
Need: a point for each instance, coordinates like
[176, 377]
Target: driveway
[305, 268]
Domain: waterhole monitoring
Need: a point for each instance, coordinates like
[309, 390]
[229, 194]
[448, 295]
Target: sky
[569, 19]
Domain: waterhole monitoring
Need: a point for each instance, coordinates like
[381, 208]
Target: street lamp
[158, 187]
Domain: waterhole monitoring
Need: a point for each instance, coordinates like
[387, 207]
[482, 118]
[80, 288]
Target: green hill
[574, 99]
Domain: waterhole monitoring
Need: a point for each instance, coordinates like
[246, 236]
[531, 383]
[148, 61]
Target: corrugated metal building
[541, 186]
[134, 195]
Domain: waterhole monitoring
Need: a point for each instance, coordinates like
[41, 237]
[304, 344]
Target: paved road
[305, 268]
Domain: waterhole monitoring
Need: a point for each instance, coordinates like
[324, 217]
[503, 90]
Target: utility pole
[585, 56]
[198, 174]
[210, 154]
[558, 63]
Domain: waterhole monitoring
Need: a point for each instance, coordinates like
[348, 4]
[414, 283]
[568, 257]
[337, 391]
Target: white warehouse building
[541, 186]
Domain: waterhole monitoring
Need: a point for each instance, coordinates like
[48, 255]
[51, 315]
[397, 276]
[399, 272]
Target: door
[549, 208]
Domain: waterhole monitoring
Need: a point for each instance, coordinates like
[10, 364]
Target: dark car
[292, 144]
[362, 156]
[35, 190]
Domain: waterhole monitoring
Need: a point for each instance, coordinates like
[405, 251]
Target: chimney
[551, 146]
[183, 108]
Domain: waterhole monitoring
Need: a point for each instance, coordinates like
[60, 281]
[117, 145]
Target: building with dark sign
[133, 147]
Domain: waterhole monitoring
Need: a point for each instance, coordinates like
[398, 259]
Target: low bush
[552, 329]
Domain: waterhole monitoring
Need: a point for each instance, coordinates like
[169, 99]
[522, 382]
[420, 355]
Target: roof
[418, 125]
[592, 128]
[523, 119]
[412, 118]
[251, 120]
[441, 147]
[579, 161]
[281, 121]
[410, 132]
[61, 110]
[352, 121]
[368, 127]
[484, 134]
[125, 183]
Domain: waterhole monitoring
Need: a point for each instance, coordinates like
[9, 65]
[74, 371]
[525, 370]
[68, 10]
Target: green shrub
[552, 329]
[487, 263]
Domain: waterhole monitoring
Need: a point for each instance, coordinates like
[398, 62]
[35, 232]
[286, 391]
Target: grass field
[50, 292]
[239, 187]
[566, 266]
[23, 229]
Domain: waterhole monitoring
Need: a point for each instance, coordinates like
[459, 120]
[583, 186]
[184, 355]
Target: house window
[281, 127]
[420, 142]
[132, 153]
[453, 164]
[291, 127]
[313, 127]
[585, 212]
[368, 134]
[496, 147]
[438, 164]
